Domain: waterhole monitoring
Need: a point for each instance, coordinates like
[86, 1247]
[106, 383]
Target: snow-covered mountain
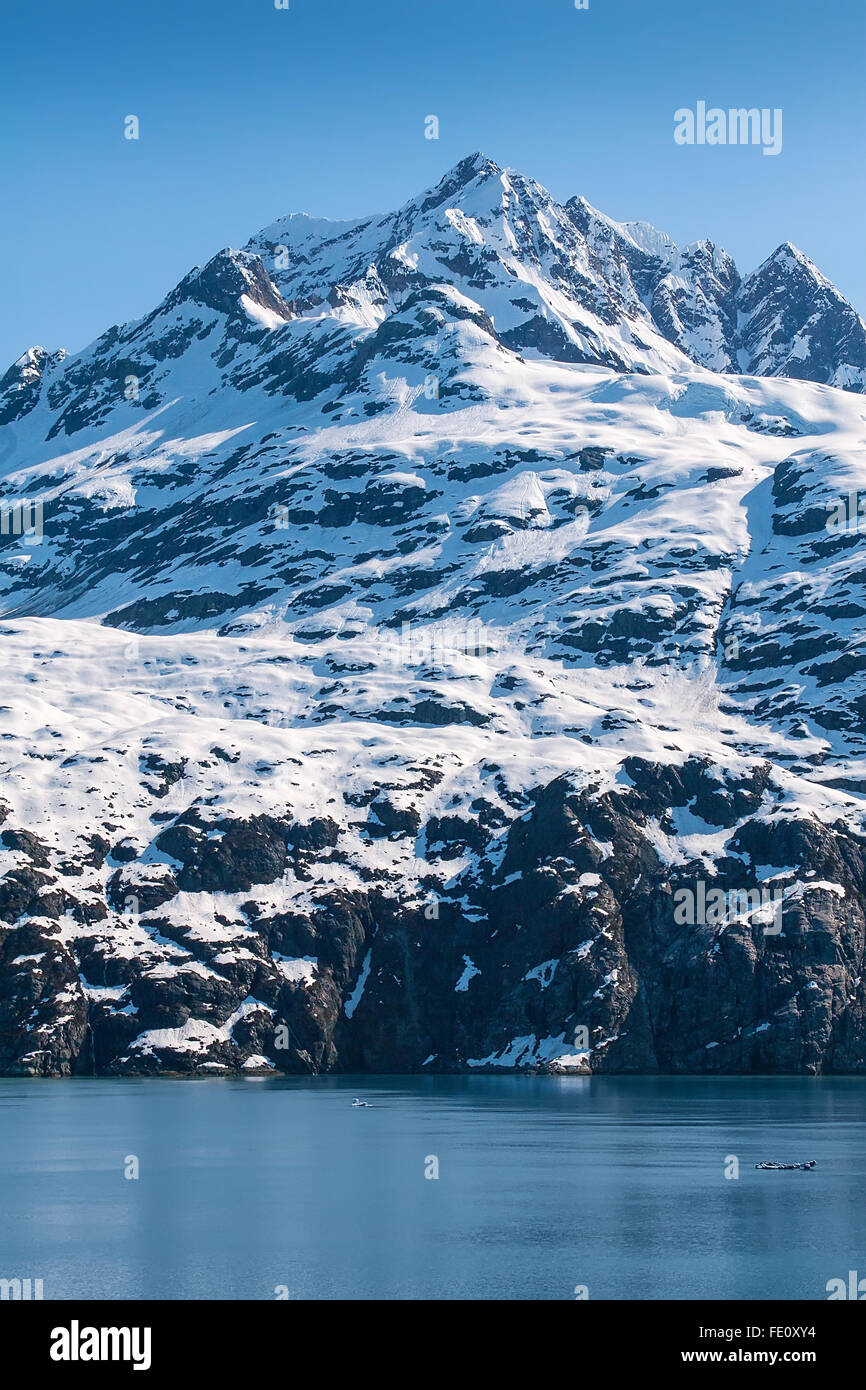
[422, 606]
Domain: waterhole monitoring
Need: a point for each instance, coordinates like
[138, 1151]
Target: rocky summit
[435, 642]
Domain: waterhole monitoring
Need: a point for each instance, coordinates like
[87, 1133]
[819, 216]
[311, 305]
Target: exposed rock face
[427, 660]
[797, 324]
[563, 946]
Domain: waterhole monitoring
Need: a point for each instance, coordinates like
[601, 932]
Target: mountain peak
[789, 257]
[537, 278]
[795, 322]
[471, 167]
[475, 168]
[22, 384]
[236, 278]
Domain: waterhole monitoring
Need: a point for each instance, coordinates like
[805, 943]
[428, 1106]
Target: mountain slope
[454, 609]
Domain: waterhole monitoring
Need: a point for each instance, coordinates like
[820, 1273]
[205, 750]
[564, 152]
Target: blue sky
[248, 112]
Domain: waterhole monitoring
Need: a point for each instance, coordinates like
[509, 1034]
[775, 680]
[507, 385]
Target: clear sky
[248, 112]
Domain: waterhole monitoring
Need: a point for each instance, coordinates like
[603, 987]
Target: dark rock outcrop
[571, 944]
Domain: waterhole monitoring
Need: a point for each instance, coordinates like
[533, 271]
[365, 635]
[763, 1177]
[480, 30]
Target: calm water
[545, 1183]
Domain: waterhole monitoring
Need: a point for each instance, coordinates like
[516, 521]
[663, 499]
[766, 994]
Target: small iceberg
[811, 1164]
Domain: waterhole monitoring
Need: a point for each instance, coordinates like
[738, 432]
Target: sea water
[471, 1187]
